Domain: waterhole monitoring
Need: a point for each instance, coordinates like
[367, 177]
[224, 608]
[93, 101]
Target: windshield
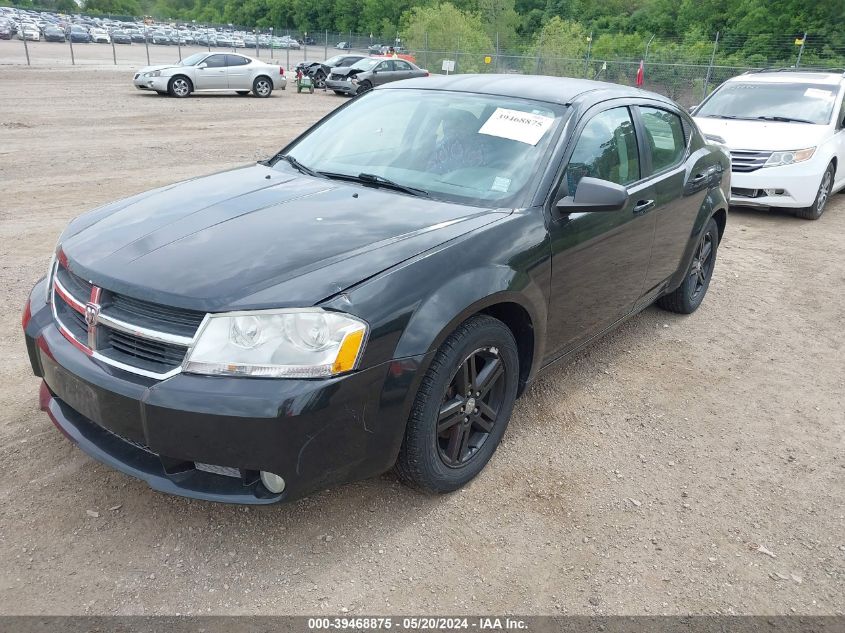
[193, 60]
[474, 149]
[797, 102]
[334, 61]
[366, 64]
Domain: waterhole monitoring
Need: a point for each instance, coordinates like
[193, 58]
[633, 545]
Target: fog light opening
[272, 482]
[774, 192]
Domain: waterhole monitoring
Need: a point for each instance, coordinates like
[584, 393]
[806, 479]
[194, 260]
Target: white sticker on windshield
[818, 94]
[516, 125]
[501, 184]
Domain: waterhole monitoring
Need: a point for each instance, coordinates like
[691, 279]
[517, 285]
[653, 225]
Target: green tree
[447, 30]
[561, 48]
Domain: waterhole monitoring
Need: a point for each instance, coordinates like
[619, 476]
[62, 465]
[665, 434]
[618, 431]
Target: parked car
[78, 34]
[53, 34]
[376, 294]
[308, 41]
[121, 37]
[6, 30]
[371, 71]
[100, 36]
[784, 130]
[344, 46]
[375, 49]
[159, 37]
[30, 33]
[212, 71]
[238, 42]
[319, 71]
[224, 40]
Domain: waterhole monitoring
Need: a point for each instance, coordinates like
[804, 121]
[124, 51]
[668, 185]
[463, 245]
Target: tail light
[27, 314]
[281, 71]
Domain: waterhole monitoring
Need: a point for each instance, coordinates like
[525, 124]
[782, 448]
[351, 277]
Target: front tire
[364, 86]
[262, 87]
[815, 210]
[462, 407]
[320, 79]
[689, 295]
[180, 87]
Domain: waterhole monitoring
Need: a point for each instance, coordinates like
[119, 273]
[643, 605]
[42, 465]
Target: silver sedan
[212, 71]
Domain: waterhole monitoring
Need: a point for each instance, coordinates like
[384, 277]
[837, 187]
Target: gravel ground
[681, 465]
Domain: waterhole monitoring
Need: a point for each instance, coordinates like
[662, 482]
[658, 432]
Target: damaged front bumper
[208, 437]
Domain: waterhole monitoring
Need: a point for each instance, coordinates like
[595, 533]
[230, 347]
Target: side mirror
[692, 109]
[202, 65]
[594, 194]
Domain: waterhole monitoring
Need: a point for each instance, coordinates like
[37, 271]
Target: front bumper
[150, 83]
[342, 86]
[796, 186]
[313, 433]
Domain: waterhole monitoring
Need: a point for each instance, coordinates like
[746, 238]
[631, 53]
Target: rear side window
[607, 149]
[400, 65]
[665, 140]
[236, 60]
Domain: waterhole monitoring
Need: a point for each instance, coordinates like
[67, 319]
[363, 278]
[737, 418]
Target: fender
[469, 293]
[713, 203]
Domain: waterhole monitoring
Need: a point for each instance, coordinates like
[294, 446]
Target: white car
[100, 36]
[30, 33]
[212, 71]
[784, 131]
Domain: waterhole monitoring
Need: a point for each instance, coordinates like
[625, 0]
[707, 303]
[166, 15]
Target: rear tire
[815, 210]
[462, 407]
[689, 295]
[262, 87]
[180, 87]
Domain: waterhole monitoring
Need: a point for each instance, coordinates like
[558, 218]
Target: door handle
[643, 206]
[698, 179]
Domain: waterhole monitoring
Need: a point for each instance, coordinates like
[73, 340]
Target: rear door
[679, 188]
[238, 71]
[213, 75]
[402, 69]
[599, 259]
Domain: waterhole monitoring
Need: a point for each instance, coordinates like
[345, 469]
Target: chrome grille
[743, 160]
[136, 335]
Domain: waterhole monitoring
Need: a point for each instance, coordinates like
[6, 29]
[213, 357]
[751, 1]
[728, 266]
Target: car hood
[257, 237]
[763, 135]
[147, 69]
[343, 71]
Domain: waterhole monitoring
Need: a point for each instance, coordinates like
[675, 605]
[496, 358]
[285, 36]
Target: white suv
[784, 130]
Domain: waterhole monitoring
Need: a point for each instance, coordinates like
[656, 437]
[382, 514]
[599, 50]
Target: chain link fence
[684, 71]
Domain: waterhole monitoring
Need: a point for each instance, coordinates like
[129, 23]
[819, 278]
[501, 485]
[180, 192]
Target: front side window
[664, 137]
[384, 67]
[474, 149]
[770, 101]
[216, 61]
[606, 149]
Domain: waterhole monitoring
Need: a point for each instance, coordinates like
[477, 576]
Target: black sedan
[121, 37]
[53, 34]
[379, 292]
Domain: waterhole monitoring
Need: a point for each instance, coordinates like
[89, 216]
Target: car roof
[562, 90]
[791, 76]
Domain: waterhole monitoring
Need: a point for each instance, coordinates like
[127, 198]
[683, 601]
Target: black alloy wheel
[470, 407]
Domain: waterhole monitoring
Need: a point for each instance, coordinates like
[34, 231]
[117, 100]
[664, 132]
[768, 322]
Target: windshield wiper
[378, 181]
[726, 116]
[299, 166]
[785, 119]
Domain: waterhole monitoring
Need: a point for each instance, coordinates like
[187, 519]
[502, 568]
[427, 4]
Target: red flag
[640, 74]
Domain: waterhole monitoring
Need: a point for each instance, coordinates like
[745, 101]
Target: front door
[213, 75]
[599, 258]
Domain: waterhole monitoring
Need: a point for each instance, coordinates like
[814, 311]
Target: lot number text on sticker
[516, 125]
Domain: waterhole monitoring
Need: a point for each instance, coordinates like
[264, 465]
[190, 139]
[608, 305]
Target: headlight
[290, 343]
[155, 73]
[787, 158]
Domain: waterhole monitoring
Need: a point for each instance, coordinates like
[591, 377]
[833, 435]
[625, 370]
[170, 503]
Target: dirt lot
[639, 479]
